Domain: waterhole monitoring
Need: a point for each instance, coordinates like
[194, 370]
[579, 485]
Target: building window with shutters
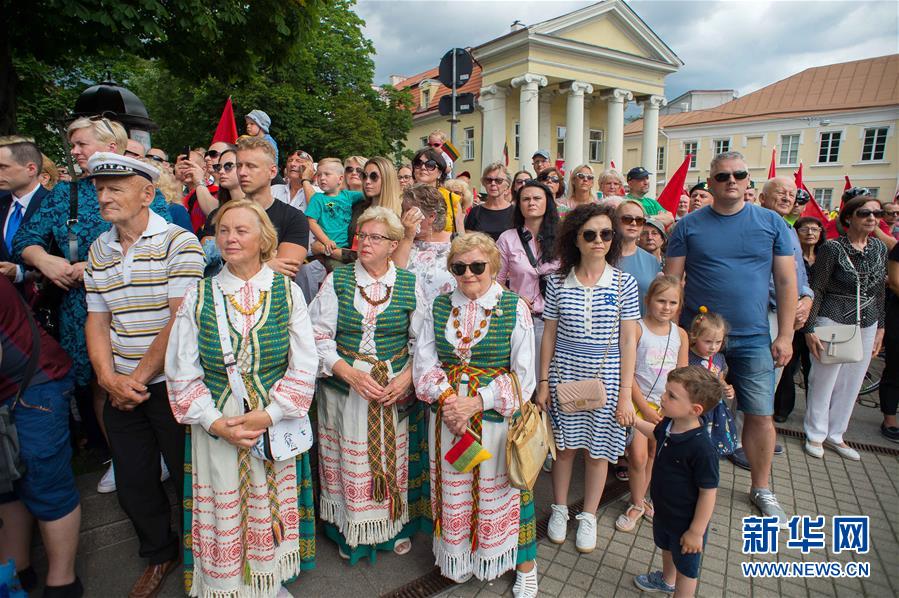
[875, 144]
[468, 143]
[829, 148]
[596, 146]
[789, 150]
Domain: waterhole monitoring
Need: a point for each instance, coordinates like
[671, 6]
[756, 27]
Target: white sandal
[525, 584]
[625, 523]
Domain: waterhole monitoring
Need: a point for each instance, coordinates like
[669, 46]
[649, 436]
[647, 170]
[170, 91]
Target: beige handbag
[529, 439]
[589, 394]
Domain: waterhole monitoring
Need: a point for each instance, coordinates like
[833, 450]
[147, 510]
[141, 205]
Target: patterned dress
[427, 261]
[587, 340]
[249, 524]
[46, 228]
[372, 460]
[482, 525]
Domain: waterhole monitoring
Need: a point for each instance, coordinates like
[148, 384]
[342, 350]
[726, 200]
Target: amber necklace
[252, 310]
[457, 325]
[379, 301]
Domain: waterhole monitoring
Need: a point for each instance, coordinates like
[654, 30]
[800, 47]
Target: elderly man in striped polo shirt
[136, 276]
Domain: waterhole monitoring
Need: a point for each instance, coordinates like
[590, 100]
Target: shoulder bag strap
[72, 221]
[617, 321]
[33, 359]
[858, 286]
[525, 239]
[221, 317]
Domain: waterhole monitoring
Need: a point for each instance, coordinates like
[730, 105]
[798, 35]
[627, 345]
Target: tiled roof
[868, 83]
[473, 85]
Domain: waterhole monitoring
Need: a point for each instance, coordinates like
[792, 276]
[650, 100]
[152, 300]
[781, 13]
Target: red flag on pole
[506, 154]
[772, 169]
[227, 128]
[612, 164]
[848, 185]
[812, 208]
[670, 195]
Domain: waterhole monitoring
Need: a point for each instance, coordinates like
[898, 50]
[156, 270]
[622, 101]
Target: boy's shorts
[669, 539]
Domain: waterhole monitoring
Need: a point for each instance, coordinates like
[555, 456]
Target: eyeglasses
[353, 169]
[627, 219]
[372, 176]
[865, 213]
[212, 154]
[550, 179]
[606, 234]
[723, 177]
[459, 268]
[492, 180]
[154, 158]
[227, 167]
[375, 238]
[105, 122]
[405, 177]
[131, 154]
[809, 229]
[426, 164]
[584, 176]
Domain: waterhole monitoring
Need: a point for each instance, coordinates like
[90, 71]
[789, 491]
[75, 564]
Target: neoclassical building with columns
[561, 85]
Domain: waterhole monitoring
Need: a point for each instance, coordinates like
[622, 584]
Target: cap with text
[110, 164]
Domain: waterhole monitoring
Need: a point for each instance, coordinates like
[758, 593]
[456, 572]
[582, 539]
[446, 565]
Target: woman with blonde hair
[352, 172]
[170, 188]
[373, 481]
[580, 189]
[249, 525]
[611, 186]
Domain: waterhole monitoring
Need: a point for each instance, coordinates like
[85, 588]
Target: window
[660, 160]
[721, 146]
[824, 197]
[872, 191]
[425, 98]
[468, 143]
[560, 144]
[690, 148]
[424, 142]
[517, 139]
[789, 150]
[829, 149]
[875, 142]
[596, 145]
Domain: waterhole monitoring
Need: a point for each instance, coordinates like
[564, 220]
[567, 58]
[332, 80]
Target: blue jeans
[751, 372]
[42, 421]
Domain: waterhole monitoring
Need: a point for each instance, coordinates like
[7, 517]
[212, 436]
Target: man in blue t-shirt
[728, 251]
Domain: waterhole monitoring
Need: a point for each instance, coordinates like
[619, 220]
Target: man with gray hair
[728, 251]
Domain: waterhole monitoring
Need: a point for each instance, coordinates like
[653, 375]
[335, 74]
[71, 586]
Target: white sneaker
[525, 584]
[107, 482]
[586, 533]
[558, 524]
[165, 470]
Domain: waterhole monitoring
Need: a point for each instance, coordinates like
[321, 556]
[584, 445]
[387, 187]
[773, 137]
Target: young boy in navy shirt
[684, 479]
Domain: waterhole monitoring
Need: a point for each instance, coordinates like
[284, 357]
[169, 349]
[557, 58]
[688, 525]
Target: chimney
[395, 80]
[517, 26]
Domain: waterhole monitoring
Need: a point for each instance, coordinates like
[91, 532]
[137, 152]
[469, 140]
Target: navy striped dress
[587, 322]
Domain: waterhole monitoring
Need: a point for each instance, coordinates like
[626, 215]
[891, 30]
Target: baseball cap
[542, 153]
[638, 172]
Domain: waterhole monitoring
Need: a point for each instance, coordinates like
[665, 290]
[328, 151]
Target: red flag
[612, 164]
[506, 154]
[848, 185]
[772, 169]
[227, 129]
[797, 177]
[670, 195]
[560, 166]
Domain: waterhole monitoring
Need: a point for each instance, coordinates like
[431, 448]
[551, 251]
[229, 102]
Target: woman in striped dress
[590, 329]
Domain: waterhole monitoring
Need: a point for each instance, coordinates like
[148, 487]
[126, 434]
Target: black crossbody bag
[525, 237]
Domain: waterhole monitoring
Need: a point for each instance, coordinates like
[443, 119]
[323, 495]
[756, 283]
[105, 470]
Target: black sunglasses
[352, 169]
[723, 177]
[865, 212]
[477, 268]
[426, 164]
[551, 179]
[227, 167]
[372, 176]
[212, 154]
[606, 234]
[628, 219]
[154, 158]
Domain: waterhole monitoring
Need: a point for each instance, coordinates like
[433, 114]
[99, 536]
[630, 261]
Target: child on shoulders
[330, 211]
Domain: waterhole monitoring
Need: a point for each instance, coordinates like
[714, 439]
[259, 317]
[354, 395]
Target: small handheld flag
[450, 150]
[467, 453]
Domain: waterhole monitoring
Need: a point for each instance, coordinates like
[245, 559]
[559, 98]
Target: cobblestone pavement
[804, 486]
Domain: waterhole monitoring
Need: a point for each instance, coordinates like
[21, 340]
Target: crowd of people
[210, 319]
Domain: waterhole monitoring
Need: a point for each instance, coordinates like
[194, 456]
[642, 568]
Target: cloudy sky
[742, 45]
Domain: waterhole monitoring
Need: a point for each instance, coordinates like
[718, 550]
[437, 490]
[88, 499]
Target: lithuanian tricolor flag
[467, 453]
[450, 150]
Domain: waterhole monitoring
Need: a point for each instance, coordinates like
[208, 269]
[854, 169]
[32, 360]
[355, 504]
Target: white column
[615, 132]
[544, 138]
[574, 124]
[651, 105]
[529, 115]
[492, 102]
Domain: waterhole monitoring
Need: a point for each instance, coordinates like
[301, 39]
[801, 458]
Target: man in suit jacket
[20, 196]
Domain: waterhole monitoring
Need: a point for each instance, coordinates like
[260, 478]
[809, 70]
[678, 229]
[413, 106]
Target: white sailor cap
[110, 164]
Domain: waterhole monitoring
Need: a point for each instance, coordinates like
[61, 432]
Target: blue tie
[15, 219]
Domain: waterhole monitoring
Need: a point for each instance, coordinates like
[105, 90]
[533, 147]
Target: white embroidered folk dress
[427, 260]
[499, 504]
[218, 572]
[344, 469]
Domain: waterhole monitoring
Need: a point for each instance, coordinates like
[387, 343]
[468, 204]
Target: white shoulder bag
[843, 342]
[287, 438]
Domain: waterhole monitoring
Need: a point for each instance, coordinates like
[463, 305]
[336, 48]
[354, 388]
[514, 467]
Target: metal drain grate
[859, 446]
[432, 582]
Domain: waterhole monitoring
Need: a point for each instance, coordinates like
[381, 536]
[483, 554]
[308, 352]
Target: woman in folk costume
[474, 360]
[374, 487]
[249, 522]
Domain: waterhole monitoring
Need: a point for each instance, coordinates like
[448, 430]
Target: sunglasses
[104, 121]
[131, 154]
[890, 212]
[488, 180]
[301, 154]
[459, 268]
[226, 167]
[375, 238]
[865, 213]
[353, 169]
[638, 220]
[551, 179]
[584, 176]
[212, 154]
[606, 234]
[426, 164]
[723, 177]
[372, 176]
[436, 145]
[154, 158]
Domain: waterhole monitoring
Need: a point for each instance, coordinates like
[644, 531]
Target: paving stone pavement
[804, 486]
